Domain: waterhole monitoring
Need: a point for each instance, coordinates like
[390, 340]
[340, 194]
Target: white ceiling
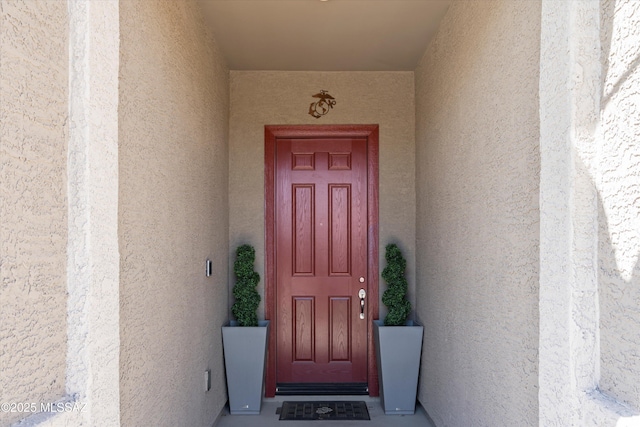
[314, 35]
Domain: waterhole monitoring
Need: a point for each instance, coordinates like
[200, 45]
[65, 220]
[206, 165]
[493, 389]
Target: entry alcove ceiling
[315, 35]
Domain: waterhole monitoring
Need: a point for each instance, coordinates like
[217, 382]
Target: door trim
[271, 134]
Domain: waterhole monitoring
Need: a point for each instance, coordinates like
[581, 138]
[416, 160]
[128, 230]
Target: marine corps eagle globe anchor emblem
[320, 108]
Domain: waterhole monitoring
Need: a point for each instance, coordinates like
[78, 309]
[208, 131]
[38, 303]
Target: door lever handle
[362, 294]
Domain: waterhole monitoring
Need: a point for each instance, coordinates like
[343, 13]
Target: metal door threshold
[322, 389]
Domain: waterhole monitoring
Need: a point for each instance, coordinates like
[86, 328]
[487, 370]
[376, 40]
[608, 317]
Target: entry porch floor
[269, 418]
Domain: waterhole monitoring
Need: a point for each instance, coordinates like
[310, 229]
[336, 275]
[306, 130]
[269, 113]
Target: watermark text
[48, 407]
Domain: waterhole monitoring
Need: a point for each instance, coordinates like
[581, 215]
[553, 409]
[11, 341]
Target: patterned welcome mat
[324, 410]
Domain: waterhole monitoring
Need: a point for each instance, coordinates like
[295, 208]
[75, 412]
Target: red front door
[321, 260]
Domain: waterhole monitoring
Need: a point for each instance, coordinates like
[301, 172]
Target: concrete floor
[268, 417]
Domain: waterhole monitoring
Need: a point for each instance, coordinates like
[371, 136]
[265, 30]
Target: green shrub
[247, 298]
[395, 296]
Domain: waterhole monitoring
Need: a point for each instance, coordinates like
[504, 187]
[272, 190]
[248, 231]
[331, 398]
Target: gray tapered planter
[245, 351]
[398, 351]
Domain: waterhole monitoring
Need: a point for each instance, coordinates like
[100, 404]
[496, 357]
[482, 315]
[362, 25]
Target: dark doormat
[324, 410]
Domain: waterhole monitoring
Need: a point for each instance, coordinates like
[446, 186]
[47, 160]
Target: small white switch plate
[208, 268]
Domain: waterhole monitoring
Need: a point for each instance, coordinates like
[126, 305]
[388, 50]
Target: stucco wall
[477, 178]
[569, 80]
[589, 214]
[33, 203]
[618, 182]
[173, 161]
[282, 98]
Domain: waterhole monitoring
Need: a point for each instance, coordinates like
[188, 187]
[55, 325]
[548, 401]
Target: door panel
[321, 253]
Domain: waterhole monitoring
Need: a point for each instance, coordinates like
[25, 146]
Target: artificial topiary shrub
[247, 298]
[395, 296]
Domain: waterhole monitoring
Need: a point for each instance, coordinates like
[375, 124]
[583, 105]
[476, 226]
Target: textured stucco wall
[589, 214]
[477, 218]
[618, 182]
[93, 264]
[569, 76]
[174, 97]
[33, 203]
[283, 98]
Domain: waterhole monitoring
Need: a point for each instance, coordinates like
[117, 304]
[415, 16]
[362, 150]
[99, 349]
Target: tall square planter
[398, 350]
[245, 351]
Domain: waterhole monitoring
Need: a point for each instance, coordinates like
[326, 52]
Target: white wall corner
[93, 257]
[570, 90]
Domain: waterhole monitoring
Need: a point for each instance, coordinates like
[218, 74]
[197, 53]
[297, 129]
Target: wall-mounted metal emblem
[321, 107]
